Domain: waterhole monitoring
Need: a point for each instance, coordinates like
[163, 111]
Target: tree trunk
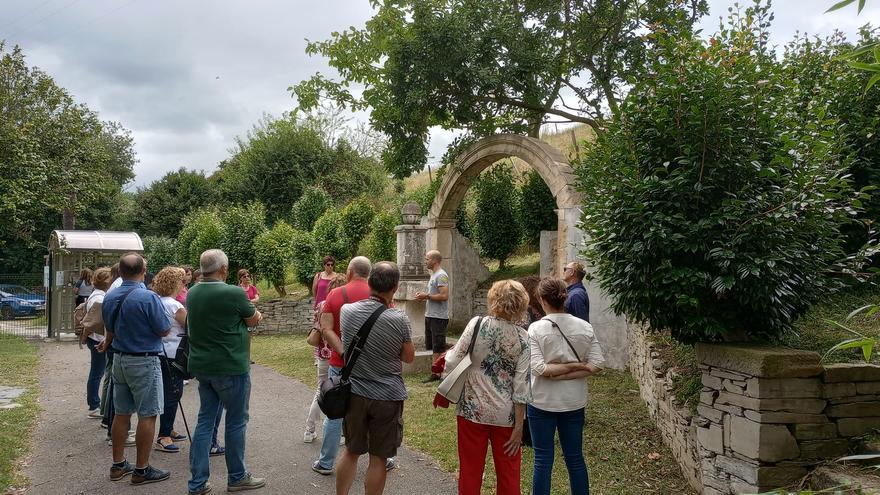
[68, 220]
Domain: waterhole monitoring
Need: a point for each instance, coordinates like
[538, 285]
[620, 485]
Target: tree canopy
[163, 204]
[486, 67]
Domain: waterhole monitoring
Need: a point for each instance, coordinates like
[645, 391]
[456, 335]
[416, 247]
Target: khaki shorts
[373, 426]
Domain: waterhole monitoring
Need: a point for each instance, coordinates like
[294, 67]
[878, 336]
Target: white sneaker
[309, 436]
[341, 440]
[95, 414]
[129, 442]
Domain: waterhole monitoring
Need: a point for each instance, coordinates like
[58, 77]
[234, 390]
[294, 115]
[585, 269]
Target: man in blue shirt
[578, 303]
[135, 323]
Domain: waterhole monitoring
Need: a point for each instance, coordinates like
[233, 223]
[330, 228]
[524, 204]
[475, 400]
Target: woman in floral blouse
[493, 402]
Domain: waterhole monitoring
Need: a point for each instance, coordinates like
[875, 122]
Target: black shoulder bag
[336, 390]
[180, 365]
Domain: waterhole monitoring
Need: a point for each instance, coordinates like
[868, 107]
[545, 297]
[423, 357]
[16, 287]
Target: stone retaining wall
[285, 316]
[674, 421]
[481, 304]
[768, 415]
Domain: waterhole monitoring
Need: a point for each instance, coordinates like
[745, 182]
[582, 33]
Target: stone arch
[461, 260]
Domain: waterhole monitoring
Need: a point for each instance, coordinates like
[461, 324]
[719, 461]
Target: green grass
[618, 439]
[517, 266]
[18, 367]
[295, 290]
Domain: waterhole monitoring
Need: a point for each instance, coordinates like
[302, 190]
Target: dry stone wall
[768, 415]
[281, 315]
[674, 421]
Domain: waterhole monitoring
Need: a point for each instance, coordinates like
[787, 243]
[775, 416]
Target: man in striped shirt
[374, 422]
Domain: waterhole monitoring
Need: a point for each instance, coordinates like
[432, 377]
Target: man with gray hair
[218, 319]
[355, 290]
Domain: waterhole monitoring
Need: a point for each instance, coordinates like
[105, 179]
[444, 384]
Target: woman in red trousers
[493, 402]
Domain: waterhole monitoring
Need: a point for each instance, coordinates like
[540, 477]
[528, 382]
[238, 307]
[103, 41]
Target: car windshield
[16, 290]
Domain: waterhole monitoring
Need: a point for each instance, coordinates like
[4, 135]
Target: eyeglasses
[244, 277]
[329, 264]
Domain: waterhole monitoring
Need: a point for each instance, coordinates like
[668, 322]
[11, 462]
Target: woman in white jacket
[564, 351]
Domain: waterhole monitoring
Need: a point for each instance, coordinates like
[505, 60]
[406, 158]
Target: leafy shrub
[354, 224]
[202, 230]
[273, 249]
[160, 252]
[496, 228]
[241, 225]
[309, 208]
[328, 236]
[537, 208]
[713, 208]
[305, 257]
[381, 243]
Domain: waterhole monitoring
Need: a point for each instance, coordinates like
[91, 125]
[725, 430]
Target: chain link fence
[23, 305]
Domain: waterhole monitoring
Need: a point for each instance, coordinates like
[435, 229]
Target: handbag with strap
[335, 391]
[453, 385]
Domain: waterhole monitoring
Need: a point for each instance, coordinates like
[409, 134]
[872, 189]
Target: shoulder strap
[360, 339]
[477, 328]
[344, 295]
[564, 337]
[118, 308]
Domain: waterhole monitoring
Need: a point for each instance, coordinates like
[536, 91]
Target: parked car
[16, 300]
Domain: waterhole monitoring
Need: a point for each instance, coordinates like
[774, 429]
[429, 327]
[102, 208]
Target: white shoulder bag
[453, 385]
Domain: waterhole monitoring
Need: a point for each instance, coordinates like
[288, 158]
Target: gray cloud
[187, 77]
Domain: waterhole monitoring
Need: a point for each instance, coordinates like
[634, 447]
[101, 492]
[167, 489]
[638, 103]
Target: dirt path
[71, 455]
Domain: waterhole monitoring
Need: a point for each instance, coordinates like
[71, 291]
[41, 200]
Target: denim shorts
[137, 385]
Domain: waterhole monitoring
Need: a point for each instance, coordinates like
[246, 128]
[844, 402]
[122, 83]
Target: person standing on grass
[101, 281]
[436, 308]
[564, 351]
[374, 422]
[322, 362]
[245, 282]
[168, 284]
[493, 403]
[219, 317]
[134, 325]
[578, 303]
[322, 279]
[357, 289]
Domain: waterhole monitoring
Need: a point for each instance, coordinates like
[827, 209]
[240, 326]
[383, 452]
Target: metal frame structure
[69, 252]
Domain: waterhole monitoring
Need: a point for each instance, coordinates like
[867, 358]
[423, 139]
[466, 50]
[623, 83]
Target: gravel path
[71, 455]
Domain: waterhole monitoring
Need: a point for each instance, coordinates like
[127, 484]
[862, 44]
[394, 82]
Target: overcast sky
[187, 76]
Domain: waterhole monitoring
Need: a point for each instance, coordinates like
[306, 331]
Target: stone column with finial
[411, 248]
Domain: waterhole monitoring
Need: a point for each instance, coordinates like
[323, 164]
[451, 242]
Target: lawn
[517, 266]
[618, 442]
[18, 367]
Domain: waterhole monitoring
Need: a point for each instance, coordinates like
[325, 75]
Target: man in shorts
[374, 422]
[135, 323]
[436, 308]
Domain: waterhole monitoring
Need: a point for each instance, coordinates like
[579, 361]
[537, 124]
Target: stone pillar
[412, 244]
[548, 252]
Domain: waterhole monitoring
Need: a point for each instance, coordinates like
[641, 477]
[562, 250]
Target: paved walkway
[71, 455]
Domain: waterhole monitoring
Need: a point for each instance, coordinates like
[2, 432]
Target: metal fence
[23, 305]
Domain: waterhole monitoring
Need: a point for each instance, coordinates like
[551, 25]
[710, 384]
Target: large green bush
[309, 208]
[328, 236]
[381, 243]
[202, 230]
[305, 257]
[715, 207]
[242, 224]
[273, 250]
[496, 227]
[160, 252]
[355, 224]
[537, 208]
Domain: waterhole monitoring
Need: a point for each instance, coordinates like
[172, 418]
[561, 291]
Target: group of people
[530, 356]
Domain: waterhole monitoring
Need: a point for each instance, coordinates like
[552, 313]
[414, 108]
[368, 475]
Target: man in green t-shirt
[218, 317]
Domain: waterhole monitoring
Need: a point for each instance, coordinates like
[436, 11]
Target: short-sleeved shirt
[547, 345]
[181, 296]
[437, 309]
[251, 291]
[171, 341]
[378, 372]
[142, 320]
[115, 285]
[85, 288]
[218, 337]
[356, 290]
[96, 297]
[577, 303]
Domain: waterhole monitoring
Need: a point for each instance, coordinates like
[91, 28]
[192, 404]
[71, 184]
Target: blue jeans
[543, 425]
[234, 393]
[332, 433]
[96, 372]
[215, 443]
[137, 385]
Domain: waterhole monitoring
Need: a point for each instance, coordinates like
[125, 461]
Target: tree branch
[503, 100]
